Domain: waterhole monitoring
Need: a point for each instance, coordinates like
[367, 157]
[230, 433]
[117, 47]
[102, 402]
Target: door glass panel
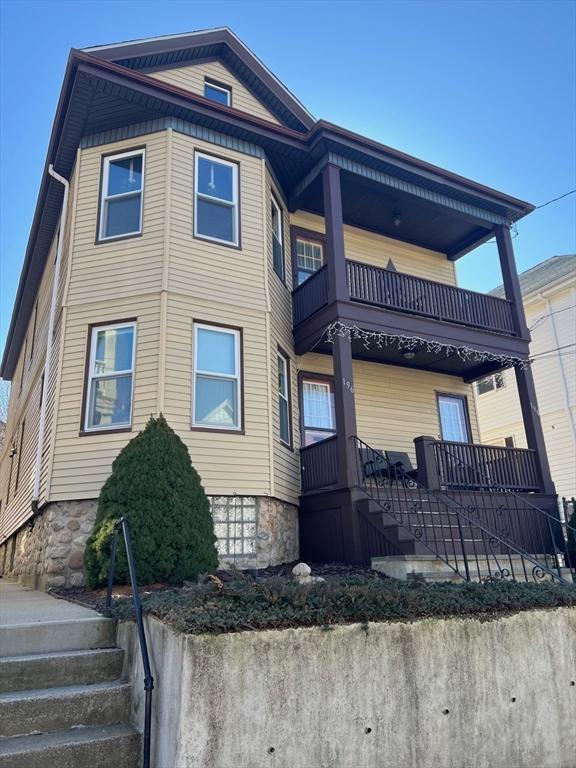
[453, 419]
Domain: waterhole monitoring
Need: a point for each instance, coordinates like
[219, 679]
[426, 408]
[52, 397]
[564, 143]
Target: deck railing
[486, 467]
[415, 295]
[319, 465]
[310, 296]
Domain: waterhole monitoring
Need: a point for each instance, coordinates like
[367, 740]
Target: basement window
[235, 524]
[121, 195]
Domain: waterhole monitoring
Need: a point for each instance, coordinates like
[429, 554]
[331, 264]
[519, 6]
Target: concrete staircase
[62, 702]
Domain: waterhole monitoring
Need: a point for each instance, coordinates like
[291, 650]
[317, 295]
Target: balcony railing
[417, 296]
[406, 293]
[319, 464]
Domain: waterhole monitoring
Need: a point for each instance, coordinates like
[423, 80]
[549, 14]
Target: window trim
[278, 207]
[304, 234]
[464, 398]
[33, 334]
[219, 87]
[19, 457]
[239, 361]
[104, 175]
[492, 377]
[318, 377]
[234, 205]
[93, 329]
[281, 354]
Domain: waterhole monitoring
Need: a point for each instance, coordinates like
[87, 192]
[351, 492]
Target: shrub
[154, 485]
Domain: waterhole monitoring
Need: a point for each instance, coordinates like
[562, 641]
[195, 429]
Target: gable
[191, 78]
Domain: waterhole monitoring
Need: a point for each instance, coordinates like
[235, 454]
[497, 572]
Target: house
[549, 297]
[284, 292]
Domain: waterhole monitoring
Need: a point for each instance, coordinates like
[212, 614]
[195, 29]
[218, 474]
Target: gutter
[45, 383]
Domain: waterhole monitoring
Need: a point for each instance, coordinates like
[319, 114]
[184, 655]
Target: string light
[403, 343]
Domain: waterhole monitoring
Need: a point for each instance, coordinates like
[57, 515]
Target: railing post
[428, 473]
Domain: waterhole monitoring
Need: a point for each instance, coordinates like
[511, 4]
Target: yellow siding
[499, 410]
[393, 404]
[191, 78]
[370, 248]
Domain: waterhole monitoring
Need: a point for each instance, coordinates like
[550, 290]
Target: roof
[108, 89]
[545, 273]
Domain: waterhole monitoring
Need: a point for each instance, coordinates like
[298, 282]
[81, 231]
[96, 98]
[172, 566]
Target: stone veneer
[50, 553]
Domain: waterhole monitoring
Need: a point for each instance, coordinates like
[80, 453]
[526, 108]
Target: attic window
[218, 92]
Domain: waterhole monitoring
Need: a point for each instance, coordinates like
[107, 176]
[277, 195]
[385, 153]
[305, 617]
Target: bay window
[217, 377]
[277, 239]
[110, 377]
[216, 199]
[121, 195]
[284, 398]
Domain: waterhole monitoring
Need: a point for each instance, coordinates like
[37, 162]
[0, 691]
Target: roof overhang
[99, 94]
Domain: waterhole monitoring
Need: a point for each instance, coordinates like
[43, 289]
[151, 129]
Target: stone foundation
[49, 551]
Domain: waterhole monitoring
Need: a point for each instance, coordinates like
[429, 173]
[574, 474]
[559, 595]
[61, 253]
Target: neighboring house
[204, 248]
[549, 296]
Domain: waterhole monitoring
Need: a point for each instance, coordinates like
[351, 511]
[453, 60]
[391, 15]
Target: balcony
[399, 292]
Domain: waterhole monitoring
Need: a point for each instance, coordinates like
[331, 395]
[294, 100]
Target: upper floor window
[277, 239]
[284, 398]
[454, 421]
[309, 257]
[216, 199]
[216, 386]
[121, 195]
[218, 92]
[490, 383]
[110, 377]
[318, 418]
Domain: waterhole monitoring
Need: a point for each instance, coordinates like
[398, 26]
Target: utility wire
[549, 314]
[551, 351]
[555, 199]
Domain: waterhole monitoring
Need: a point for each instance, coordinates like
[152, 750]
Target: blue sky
[485, 89]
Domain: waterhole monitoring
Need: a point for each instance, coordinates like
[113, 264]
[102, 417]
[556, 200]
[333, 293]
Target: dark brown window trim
[33, 334]
[97, 240]
[282, 277]
[198, 428]
[19, 456]
[216, 156]
[128, 428]
[304, 234]
[290, 446]
[464, 398]
[23, 369]
[217, 84]
[326, 378]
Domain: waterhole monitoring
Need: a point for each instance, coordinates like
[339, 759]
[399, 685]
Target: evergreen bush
[154, 485]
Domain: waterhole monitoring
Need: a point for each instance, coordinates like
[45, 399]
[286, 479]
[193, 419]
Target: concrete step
[48, 670]
[56, 709]
[47, 636]
[115, 746]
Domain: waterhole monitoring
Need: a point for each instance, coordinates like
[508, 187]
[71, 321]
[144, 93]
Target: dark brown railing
[319, 464]
[405, 293]
[486, 467]
[310, 296]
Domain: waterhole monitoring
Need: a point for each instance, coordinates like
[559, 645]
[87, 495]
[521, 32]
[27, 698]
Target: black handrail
[148, 679]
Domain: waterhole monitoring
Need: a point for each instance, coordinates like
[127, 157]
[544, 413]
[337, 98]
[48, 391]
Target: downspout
[42, 424]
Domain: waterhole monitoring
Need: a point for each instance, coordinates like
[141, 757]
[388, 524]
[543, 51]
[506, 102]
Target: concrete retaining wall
[456, 693]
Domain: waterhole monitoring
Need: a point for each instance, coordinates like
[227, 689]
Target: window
[121, 203]
[284, 398]
[217, 92]
[453, 418]
[235, 523]
[277, 240]
[33, 334]
[309, 258]
[505, 442]
[216, 388]
[110, 377]
[318, 420]
[216, 200]
[490, 383]
[19, 457]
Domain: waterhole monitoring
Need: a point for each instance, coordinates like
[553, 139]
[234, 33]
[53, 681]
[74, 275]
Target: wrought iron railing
[310, 296]
[416, 295]
[478, 535]
[319, 464]
[481, 467]
[148, 679]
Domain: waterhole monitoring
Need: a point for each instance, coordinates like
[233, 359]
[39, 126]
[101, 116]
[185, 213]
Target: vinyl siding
[499, 410]
[374, 249]
[191, 78]
[393, 404]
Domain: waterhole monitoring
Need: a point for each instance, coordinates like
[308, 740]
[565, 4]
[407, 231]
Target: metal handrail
[148, 679]
[414, 507]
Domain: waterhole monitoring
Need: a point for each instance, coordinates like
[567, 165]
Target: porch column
[524, 377]
[344, 402]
